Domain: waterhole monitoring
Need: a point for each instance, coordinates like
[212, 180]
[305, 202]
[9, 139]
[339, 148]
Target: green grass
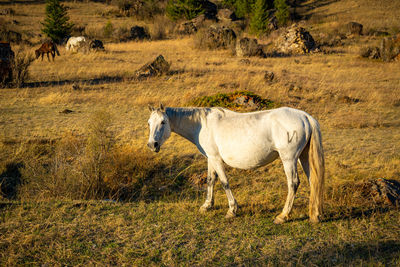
[171, 234]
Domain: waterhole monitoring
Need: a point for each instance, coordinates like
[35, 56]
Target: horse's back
[248, 140]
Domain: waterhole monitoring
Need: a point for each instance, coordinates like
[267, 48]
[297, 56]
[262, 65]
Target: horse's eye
[163, 122]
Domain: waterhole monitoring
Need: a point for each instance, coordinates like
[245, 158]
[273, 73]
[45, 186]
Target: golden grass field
[356, 101]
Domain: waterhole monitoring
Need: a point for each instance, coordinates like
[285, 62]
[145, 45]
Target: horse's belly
[248, 160]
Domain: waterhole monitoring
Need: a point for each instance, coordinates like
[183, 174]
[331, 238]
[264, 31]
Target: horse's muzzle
[155, 147]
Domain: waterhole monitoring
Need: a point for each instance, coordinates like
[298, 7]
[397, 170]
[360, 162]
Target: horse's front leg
[219, 168]
[209, 203]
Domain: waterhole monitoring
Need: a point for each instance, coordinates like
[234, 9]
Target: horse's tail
[317, 171]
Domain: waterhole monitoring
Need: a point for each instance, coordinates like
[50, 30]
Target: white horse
[246, 141]
[74, 43]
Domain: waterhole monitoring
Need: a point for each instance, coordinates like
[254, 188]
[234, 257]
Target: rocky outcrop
[139, 33]
[225, 15]
[390, 48]
[354, 28]
[156, 67]
[216, 37]
[247, 47]
[295, 40]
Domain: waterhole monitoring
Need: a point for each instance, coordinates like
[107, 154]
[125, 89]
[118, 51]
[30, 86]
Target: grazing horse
[246, 141]
[74, 43]
[46, 48]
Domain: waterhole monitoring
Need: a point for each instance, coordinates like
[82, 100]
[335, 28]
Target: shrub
[141, 9]
[93, 166]
[230, 100]
[184, 9]
[56, 24]
[20, 66]
[108, 29]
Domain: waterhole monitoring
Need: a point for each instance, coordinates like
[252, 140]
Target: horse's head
[159, 126]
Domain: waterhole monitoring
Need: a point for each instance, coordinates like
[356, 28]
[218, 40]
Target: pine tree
[259, 18]
[184, 9]
[56, 25]
[282, 11]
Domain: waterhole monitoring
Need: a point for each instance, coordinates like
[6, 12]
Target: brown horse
[46, 48]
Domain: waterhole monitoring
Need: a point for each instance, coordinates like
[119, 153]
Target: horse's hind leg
[290, 167]
[210, 189]
[219, 168]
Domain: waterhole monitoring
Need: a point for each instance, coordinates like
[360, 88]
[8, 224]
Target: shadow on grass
[10, 179]
[383, 252]
[95, 81]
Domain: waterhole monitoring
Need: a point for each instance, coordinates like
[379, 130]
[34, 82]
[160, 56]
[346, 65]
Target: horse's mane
[192, 114]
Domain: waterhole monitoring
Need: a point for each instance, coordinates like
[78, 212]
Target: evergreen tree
[184, 9]
[282, 11]
[259, 18]
[56, 25]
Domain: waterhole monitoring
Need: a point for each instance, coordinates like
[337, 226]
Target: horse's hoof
[203, 209]
[230, 214]
[279, 220]
[315, 219]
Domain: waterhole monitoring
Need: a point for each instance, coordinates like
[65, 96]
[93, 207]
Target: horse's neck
[185, 121]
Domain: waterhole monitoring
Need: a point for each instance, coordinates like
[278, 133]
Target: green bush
[108, 29]
[184, 9]
[228, 100]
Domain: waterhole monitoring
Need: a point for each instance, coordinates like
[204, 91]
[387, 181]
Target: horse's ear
[162, 107]
[150, 108]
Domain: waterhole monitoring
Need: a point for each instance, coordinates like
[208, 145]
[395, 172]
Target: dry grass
[356, 101]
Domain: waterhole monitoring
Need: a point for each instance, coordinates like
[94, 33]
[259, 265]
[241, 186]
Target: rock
[249, 48]
[354, 28]
[96, 45]
[199, 20]
[390, 48]
[139, 33]
[186, 28]
[66, 111]
[76, 87]
[370, 52]
[244, 61]
[246, 102]
[382, 191]
[295, 40]
[155, 68]
[225, 15]
[7, 11]
[269, 76]
[216, 37]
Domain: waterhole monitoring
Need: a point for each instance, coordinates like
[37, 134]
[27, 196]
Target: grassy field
[81, 188]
